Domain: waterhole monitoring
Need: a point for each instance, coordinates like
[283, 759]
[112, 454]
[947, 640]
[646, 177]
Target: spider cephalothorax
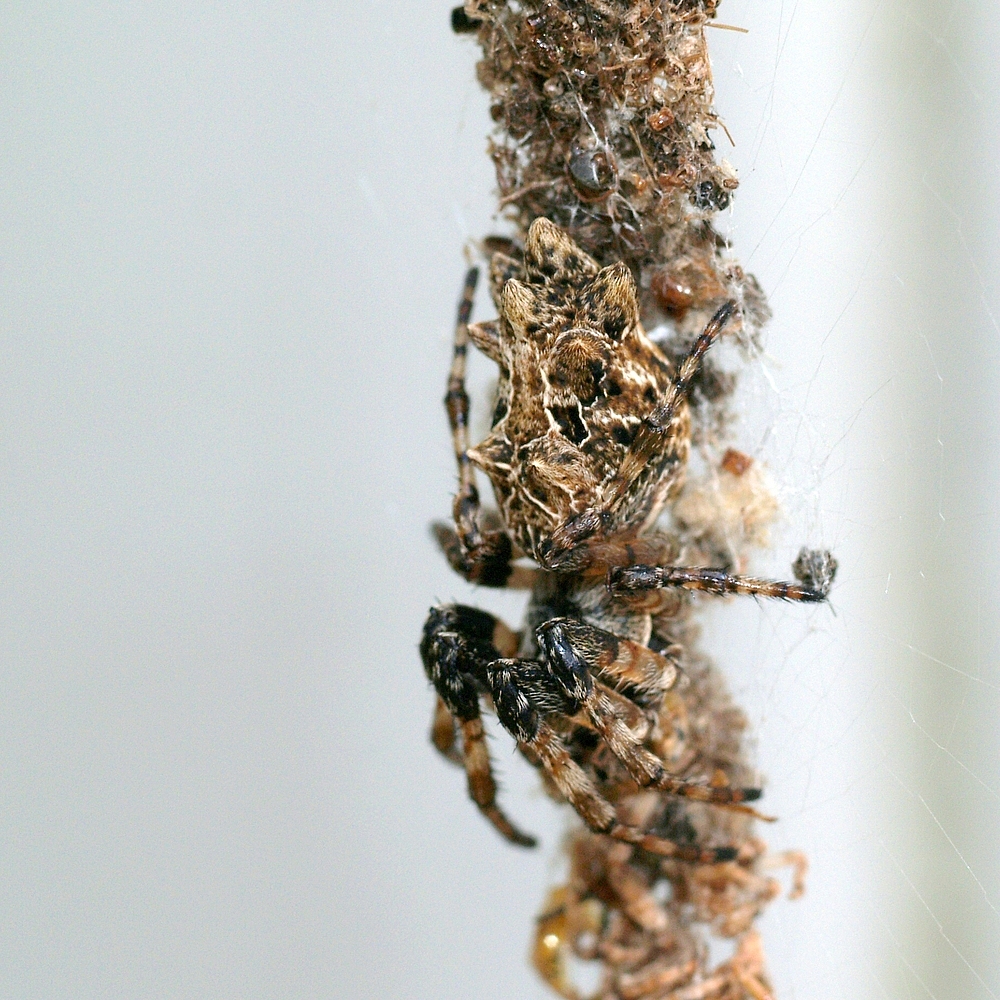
[578, 376]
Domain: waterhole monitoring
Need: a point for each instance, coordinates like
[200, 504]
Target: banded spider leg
[574, 679]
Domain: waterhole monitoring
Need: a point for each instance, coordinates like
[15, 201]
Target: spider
[589, 441]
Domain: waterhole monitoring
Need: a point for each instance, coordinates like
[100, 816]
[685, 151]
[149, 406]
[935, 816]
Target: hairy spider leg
[574, 652]
[443, 734]
[456, 642]
[522, 719]
[461, 657]
[647, 441]
[625, 581]
[480, 556]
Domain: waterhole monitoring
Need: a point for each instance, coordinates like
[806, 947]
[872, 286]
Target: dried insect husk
[606, 126]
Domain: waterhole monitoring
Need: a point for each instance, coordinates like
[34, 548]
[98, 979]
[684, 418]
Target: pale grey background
[231, 243]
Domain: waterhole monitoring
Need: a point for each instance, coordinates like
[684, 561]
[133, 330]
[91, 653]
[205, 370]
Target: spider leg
[456, 644]
[443, 732]
[480, 556]
[574, 651]
[569, 546]
[523, 692]
[461, 649]
[627, 581]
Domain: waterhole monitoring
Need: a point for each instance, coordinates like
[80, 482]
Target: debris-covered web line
[836, 682]
[606, 118]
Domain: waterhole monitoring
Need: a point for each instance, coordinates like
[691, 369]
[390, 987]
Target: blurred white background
[231, 245]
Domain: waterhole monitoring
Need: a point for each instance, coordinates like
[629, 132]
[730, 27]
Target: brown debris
[736, 462]
[605, 125]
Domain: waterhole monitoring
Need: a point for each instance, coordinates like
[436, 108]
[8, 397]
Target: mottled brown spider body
[589, 440]
[578, 376]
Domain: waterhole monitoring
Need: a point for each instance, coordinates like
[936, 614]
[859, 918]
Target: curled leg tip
[505, 828]
[815, 569]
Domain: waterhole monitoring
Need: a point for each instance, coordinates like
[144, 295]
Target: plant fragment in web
[607, 171]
